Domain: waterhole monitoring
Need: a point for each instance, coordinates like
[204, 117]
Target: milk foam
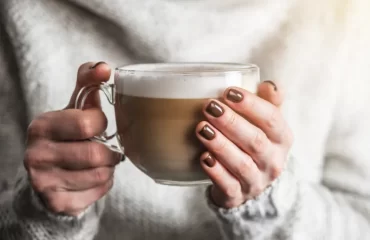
[186, 81]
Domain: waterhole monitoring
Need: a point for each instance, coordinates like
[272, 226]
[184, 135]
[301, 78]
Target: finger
[70, 124]
[88, 74]
[238, 130]
[271, 92]
[258, 111]
[73, 203]
[84, 179]
[71, 155]
[57, 179]
[228, 192]
[237, 162]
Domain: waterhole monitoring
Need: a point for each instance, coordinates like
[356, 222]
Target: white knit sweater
[317, 50]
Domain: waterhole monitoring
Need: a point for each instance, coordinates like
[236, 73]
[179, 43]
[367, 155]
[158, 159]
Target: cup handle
[109, 92]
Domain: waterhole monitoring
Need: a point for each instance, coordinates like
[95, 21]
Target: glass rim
[187, 68]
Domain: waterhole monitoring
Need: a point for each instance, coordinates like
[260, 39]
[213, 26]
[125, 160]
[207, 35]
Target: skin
[248, 154]
[70, 173]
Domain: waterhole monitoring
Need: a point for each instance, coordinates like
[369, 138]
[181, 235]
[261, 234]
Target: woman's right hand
[65, 169]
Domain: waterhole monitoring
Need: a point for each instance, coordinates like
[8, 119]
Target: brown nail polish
[272, 83]
[234, 96]
[207, 133]
[209, 161]
[97, 64]
[214, 109]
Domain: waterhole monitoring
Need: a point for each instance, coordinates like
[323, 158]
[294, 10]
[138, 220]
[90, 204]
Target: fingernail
[214, 109]
[207, 133]
[234, 96]
[97, 64]
[272, 83]
[209, 161]
[123, 158]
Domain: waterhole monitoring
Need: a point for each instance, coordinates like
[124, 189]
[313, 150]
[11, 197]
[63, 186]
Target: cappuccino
[157, 108]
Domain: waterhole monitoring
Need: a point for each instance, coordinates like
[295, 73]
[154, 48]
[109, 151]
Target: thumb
[271, 92]
[90, 73]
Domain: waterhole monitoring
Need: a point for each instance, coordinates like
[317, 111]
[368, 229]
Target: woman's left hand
[247, 140]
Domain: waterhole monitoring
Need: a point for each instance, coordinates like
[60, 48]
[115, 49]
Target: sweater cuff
[275, 201]
[271, 205]
[256, 218]
[40, 206]
[28, 205]
[261, 207]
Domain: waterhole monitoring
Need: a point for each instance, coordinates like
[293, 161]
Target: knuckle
[260, 142]
[274, 119]
[108, 186]
[100, 175]
[244, 167]
[38, 155]
[275, 171]
[106, 174]
[249, 102]
[33, 158]
[96, 153]
[103, 190]
[86, 126]
[232, 190]
[54, 202]
[37, 128]
[231, 120]
[36, 182]
[82, 69]
[220, 145]
[256, 189]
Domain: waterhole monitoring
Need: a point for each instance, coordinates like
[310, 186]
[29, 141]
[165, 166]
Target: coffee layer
[158, 136]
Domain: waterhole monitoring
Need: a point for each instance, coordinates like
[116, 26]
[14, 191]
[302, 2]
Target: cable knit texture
[316, 50]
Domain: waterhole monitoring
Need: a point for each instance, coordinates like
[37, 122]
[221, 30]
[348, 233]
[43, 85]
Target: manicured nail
[123, 158]
[209, 161]
[97, 64]
[272, 83]
[214, 109]
[234, 96]
[207, 133]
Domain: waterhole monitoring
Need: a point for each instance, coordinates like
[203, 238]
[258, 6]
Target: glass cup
[157, 107]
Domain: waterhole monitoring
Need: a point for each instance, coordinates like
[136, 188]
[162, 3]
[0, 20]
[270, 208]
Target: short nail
[123, 158]
[97, 64]
[207, 132]
[272, 83]
[234, 96]
[214, 109]
[209, 161]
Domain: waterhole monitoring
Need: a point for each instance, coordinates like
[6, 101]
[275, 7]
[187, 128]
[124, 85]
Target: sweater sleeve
[338, 207]
[22, 216]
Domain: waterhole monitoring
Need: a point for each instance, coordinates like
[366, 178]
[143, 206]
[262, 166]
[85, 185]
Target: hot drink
[157, 109]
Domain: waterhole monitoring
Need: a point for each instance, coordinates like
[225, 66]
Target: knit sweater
[317, 51]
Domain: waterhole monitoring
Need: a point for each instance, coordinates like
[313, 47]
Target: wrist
[259, 207]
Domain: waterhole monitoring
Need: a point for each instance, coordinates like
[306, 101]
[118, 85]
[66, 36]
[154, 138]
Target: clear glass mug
[157, 107]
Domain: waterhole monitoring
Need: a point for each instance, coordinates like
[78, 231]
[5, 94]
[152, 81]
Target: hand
[248, 142]
[66, 170]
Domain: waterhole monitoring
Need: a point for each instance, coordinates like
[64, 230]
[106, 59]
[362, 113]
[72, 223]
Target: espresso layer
[158, 135]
